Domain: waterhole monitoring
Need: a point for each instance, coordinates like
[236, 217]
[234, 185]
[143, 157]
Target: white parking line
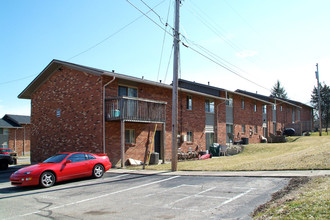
[234, 198]
[187, 197]
[97, 197]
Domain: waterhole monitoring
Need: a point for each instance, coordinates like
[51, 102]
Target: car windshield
[56, 159]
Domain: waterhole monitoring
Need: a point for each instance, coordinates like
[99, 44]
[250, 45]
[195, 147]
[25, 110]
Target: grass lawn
[307, 152]
[303, 198]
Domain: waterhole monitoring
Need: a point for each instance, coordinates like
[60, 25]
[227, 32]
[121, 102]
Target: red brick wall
[79, 128]
[247, 117]
[188, 120]
[306, 114]
[18, 141]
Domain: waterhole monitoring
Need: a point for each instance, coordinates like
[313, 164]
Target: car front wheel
[98, 171]
[47, 179]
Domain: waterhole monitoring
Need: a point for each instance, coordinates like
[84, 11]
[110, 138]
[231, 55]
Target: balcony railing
[135, 109]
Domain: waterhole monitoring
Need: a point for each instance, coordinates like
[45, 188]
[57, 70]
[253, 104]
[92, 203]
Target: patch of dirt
[278, 197]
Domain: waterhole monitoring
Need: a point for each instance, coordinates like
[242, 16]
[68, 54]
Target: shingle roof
[258, 96]
[5, 124]
[14, 121]
[207, 89]
[19, 119]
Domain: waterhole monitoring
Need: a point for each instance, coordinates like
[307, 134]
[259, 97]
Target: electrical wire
[160, 19]
[92, 47]
[111, 35]
[19, 79]
[200, 53]
[168, 64]
[225, 67]
[216, 29]
[162, 50]
[145, 14]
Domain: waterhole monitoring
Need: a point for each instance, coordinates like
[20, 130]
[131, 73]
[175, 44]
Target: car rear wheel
[47, 179]
[98, 171]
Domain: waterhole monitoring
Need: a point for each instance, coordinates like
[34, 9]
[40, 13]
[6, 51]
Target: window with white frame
[189, 102]
[130, 136]
[255, 107]
[229, 100]
[209, 106]
[264, 109]
[242, 104]
[256, 129]
[190, 136]
[243, 128]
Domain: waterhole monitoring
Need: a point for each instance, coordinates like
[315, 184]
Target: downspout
[24, 142]
[104, 111]
[15, 140]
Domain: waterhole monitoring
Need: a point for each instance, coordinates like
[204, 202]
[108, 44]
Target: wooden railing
[135, 109]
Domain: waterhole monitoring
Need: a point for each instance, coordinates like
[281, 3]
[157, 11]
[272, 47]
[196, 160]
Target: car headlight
[27, 172]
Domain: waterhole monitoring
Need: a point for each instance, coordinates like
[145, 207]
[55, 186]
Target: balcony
[135, 109]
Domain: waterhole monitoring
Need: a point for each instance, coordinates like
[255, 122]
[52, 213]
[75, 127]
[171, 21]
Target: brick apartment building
[78, 108]
[15, 133]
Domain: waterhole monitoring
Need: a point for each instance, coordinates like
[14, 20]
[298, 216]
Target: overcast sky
[241, 44]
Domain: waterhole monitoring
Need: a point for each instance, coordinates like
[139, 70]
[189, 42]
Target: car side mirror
[67, 161]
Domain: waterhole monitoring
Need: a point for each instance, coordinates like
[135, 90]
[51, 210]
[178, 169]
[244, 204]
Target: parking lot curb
[279, 174]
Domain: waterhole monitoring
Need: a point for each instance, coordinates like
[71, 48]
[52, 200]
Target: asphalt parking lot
[137, 196]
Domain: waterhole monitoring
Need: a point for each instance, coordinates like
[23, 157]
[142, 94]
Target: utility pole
[319, 94]
[176, 41]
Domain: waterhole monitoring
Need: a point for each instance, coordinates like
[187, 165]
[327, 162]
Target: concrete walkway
[25, 160]
[282, 174]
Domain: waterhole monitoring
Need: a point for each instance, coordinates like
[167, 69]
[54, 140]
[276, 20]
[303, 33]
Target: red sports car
[63, 166]
[6, 151]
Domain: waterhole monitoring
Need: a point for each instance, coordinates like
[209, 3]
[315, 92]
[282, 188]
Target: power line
[161, 54]
[90, 48]
[19, 79]
[145, 14]
[111, 35]
[216, 29]
[200, 53]
[224, 66]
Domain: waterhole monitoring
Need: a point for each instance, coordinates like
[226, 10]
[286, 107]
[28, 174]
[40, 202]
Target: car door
[75, 166]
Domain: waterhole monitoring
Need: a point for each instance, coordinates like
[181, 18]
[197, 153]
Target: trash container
[215, 149]
[154, 158]
[245, 140]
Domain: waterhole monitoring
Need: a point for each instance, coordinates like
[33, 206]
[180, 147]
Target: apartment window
[281, 108]
[293, 115]
[127, 91]
[256, 129]
[274, 107]
[4, 131]
[189, 136]
[209, 106]
[255, 107]
[243, 128]
[229, 101]
[264, 109]
[130, 136]
[189, 102]
[242, 104]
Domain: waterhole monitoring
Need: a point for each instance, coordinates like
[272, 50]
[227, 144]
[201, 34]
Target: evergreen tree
[278, 91]
[325, 103]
